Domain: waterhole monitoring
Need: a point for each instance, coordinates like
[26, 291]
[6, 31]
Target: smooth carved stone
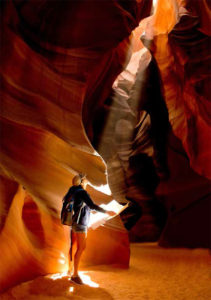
[133, 143]
[180, 45]
[185, 77]
[58, 62]
[40, 244]
[8, 189]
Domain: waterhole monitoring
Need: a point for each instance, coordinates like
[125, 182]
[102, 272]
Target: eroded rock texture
[133, 141]
[57, 59]
[182, 54]
[152, 101]
[74, 79]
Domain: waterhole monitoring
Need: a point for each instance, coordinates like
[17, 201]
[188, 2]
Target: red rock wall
[180, 45]
[58, 62]
[186, 196]
[132, 134]
[58, 58]
[181, 48]
[33, 242]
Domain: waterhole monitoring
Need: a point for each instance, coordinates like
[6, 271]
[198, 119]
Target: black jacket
[82, 205]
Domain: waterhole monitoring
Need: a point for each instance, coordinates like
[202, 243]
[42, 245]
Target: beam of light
[61, 261]
[58, 275]
[126, 97]
[102, 188]
[154, 3]
[114, 143]
[71, 289]
[87, 280]
[98, 219]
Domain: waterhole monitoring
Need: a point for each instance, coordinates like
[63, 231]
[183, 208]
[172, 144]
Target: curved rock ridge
[181, 49]
[74, 79]
[33, 241]
[180, 46]
[131, 129]
[130, 132]
[58, 59]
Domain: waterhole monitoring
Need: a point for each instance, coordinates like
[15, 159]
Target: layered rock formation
[54, 55]
[137, 140]
[182, 55]
[59, 60]
[130, 134]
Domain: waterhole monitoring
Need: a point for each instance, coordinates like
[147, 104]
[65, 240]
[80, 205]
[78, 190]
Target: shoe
[77, 279]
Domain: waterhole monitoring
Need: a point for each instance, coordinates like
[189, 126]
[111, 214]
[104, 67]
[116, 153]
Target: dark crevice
[136, 155]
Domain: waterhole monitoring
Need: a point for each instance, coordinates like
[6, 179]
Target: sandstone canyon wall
[156, 141]
[182, 52]
[75, 80]
[53, 56]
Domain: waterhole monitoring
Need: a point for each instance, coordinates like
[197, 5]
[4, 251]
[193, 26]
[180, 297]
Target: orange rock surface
[180, 46]
[55, 59]
[58, 62]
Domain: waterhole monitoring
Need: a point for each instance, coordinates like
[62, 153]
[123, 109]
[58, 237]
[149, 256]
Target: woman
[82, 206]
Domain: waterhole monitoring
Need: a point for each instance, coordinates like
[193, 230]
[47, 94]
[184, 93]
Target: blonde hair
[77, 180]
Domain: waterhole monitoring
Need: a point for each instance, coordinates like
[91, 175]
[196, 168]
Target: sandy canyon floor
[154, 274]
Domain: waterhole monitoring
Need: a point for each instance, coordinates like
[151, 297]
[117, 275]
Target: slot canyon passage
[120, 91]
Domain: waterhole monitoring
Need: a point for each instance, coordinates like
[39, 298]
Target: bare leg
[81, 245]
[72, 251]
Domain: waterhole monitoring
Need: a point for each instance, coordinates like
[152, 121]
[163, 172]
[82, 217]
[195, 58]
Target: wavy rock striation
[57, 59]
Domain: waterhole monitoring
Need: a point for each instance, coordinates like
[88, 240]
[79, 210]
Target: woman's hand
[111, 213]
